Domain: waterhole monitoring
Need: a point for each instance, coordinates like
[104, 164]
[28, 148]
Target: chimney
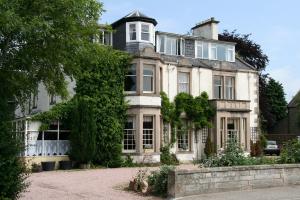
[207, 29]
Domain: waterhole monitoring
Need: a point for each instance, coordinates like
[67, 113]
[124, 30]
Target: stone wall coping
[234, 168]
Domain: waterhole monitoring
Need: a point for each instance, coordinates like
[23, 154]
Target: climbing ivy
[59, 111]
[196, 110]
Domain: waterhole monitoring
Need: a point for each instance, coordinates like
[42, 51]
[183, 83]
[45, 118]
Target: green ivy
[196, 110]
[59, 111]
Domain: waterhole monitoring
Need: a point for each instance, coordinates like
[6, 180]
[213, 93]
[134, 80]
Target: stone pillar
[139, 133]
[157, 133]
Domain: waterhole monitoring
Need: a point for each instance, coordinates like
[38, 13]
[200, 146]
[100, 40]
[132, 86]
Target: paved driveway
[82, 184]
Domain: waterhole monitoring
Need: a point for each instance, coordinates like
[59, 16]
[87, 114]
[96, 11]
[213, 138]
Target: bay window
[183, 82]
[129, 134]
[130, 79]
[148, 129]
[148, 78]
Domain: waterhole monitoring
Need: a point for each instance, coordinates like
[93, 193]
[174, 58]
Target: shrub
[158, 180]
[128, 162]
[290, 152]
[166, 157]
[233, 156]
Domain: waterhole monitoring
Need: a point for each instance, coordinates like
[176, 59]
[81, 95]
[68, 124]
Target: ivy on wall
[197, 110]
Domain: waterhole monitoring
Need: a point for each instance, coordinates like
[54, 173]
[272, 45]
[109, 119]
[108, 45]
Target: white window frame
[145, 65]
[134, 134]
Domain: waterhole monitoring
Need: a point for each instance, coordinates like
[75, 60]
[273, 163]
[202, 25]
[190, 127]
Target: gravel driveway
[82, 184]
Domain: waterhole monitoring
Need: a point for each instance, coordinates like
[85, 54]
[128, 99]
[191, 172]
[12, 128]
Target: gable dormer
[134, 32]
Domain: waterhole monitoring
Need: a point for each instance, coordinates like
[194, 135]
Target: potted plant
[48, 165]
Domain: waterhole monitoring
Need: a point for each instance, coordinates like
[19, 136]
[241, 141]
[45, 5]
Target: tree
[276, 108]
[272, 103]
[39, 43]
[83, 130]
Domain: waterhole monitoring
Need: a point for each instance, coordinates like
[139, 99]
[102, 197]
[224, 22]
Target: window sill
[184, 152]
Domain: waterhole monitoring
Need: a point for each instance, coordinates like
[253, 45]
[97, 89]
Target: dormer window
[132, 32]
[214, 51]
[139, 32]
[145, 33]
[170, 45]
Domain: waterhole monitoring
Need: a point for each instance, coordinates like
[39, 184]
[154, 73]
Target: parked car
[272, 148]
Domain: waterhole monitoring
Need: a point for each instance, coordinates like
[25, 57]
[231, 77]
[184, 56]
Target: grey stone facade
[210, 180]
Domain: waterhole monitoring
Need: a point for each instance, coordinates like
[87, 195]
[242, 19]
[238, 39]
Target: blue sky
[274, 24]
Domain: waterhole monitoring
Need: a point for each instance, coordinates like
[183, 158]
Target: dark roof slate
[134, 16]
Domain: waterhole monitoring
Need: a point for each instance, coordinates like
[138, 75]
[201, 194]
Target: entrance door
[233, 129]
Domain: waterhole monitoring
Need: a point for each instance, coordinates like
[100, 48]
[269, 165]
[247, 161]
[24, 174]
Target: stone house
[172, 63]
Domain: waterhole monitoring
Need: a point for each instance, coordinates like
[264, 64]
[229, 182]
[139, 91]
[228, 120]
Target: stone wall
[210, 180]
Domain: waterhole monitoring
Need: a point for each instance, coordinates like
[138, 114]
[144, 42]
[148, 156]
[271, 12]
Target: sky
[274, 24]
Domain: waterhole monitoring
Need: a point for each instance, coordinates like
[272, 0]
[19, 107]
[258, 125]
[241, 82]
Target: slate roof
[134, 16]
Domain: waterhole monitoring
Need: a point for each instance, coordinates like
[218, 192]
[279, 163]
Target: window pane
[229, 87]
[218, 86]
[171, 46]
[130, 79]
[148, 76]
[230, 55]
[145, 32]
[132, 32]
[183, 82]
[213, 52]
[148, 132]
[221, 52]
[199, 50]
[161, 40]
[107, 38]
[129, 134]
